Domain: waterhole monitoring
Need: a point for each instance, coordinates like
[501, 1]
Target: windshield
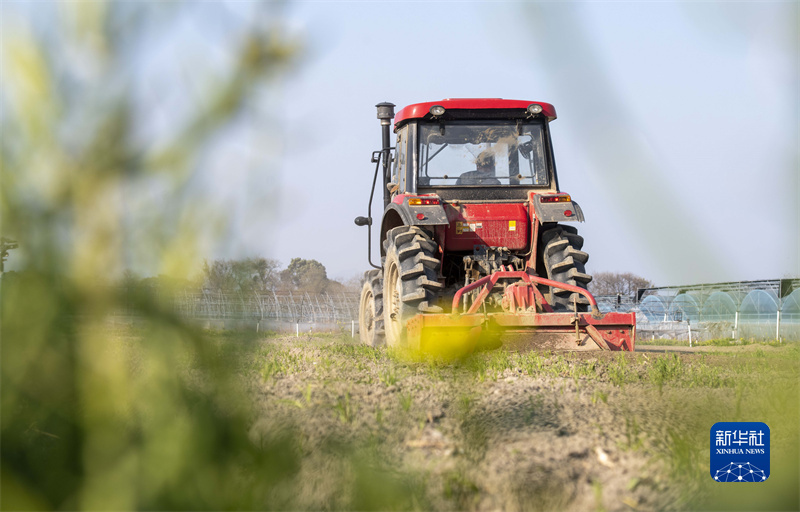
[483, 154]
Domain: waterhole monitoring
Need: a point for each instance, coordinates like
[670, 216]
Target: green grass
[388, 376]
[683, 395]
[459, 489]
[665, 369]
[344, 409]
[281, 363]
[406, 399]
[663, 407]
[618, 371]
[718, 342]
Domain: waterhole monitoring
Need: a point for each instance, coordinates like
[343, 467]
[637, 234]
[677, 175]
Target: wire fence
[759, 310]
[280, 311]
[287, 307]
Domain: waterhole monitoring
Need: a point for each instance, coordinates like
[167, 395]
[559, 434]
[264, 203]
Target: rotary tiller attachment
[526, 321]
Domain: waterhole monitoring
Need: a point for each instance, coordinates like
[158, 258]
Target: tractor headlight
[437, 110]
[535, 108]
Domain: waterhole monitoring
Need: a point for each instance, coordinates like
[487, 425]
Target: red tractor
[476, 245]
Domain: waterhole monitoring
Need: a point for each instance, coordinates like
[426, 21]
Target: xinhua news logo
[740, 451]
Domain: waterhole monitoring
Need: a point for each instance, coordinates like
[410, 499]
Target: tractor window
[483, 154]
[399, 171]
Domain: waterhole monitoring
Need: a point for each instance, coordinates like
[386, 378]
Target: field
[523, 431]
[171, 417]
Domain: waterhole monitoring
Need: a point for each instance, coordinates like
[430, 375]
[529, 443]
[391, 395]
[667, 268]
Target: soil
[470, 435]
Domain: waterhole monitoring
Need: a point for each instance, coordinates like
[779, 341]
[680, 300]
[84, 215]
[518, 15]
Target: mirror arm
[367, 221]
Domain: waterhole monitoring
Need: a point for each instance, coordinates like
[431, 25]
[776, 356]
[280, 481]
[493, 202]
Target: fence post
[689, 325]
[778, 328]
[352, 328]
[297, 330]
[736, 326]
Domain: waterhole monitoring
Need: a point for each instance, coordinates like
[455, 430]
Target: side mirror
[363, 221]
[525, 148]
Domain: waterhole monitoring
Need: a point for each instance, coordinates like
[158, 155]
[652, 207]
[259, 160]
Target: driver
[485, 173]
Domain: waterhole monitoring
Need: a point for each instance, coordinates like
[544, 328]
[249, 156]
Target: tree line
[614, 283]
[263, 275]
[249, 275]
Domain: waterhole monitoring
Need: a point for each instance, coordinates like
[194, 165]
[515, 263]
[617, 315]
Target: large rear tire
[410, 284]
[370, 310]
[565, 262]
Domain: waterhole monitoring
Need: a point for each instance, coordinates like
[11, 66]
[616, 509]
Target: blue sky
[677, 130]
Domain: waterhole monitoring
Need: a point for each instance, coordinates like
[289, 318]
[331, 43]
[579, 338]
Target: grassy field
[721, 342]
[227, 420]
[537, 430]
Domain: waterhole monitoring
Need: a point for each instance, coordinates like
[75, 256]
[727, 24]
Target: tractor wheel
[564, 262]
[370, 310]
[410, 285]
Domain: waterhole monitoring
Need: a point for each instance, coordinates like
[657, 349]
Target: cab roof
[420, 110]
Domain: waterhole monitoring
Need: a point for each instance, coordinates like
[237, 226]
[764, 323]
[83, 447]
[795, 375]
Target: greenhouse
[654, 308]
[790, 316]
[766, 310]
[758, 315]
[683, 308]
[719, 307]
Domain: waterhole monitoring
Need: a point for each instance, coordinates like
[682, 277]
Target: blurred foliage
[91, 420]
[5, 246]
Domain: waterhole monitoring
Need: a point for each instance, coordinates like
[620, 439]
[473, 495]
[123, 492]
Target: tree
[264, 275]
[613, 283]
[308, 276]
[305, 275]
[247, 275]
[218, 276]
[354, 282]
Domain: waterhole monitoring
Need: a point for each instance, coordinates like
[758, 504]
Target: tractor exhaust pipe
[386, 114]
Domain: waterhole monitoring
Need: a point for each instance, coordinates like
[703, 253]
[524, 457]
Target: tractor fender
[399, 213]
[555, 212]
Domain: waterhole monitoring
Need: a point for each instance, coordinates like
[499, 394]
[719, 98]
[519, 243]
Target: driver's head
[485, 162]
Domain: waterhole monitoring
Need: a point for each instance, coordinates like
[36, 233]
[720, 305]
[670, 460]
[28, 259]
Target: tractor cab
[492, 149]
